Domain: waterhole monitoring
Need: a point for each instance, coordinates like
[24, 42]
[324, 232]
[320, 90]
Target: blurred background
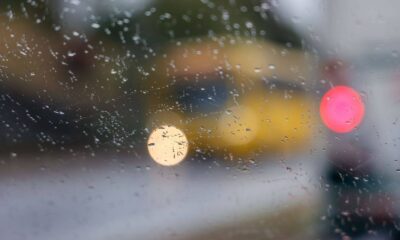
[199, 119]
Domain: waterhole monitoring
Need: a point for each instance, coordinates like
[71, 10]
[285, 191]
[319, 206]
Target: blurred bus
[233, 94]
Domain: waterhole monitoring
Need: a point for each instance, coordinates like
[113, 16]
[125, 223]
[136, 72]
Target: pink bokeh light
[342, 109]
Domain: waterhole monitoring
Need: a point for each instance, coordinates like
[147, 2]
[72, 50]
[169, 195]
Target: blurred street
[115, 197]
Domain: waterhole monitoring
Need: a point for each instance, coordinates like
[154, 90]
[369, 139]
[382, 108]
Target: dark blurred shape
[173, 19]
[206, 95]
[58, 86]
[359, 204]
[24, 121]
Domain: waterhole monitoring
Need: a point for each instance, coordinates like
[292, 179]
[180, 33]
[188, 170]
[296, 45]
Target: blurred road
[117, 197]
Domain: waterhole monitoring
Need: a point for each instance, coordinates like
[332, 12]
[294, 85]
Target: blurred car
[360, 203]
[233, 94]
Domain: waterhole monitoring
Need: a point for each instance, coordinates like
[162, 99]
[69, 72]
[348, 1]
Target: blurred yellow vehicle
[231, 94]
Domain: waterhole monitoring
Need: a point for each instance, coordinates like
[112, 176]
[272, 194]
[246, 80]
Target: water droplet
[257, 70]
[71, 54]
[271, 66]
[95, 25]
[249, 24]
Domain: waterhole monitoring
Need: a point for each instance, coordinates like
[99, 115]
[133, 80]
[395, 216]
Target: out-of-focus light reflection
[342, 109]
[167, 145]
[238, 126]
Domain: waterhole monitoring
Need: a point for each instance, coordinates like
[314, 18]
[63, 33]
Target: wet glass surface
[199, 119]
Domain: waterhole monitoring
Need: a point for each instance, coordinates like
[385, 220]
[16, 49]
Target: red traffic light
[342, 109]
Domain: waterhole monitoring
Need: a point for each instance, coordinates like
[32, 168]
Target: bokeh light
[167, 145]
[238, 126]
[342, 109]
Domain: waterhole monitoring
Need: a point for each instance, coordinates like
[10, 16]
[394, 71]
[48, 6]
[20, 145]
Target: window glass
[199, 119]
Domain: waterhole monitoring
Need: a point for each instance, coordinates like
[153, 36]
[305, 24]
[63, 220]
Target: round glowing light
[342, 109]
[238, 126]
[167, 145]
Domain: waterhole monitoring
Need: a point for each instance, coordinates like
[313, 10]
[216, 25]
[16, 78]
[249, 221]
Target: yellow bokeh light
[239, 127]
[167, 145]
